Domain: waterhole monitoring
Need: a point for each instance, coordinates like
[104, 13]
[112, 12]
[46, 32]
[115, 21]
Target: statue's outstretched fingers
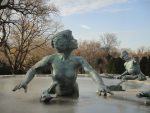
[25, 89]
[111, 93]
[107, 90]
[102, 92]
[16, 87]
[139, 94]
[105, 94]
[99, 93]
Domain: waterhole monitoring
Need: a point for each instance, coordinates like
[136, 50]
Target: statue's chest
[64, 65]
[129, 65]
[64, 69]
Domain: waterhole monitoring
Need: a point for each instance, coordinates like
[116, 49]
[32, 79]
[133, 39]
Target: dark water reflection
[88, 102]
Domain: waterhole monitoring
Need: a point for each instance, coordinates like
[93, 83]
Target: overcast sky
[88, 19]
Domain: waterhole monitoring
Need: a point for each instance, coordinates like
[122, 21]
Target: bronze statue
[144, 94]
[132, 67]
[64, 69]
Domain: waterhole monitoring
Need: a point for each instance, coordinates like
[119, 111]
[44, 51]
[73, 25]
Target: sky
[88, 19]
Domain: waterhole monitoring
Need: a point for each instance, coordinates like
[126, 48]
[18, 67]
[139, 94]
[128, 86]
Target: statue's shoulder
[131, 62]
[50, 57]
[127, 63]
[78, 59]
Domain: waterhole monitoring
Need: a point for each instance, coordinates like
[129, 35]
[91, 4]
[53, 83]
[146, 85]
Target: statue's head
[64, 41]
[124, 55]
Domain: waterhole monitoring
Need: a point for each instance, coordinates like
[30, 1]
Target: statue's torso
[132, 67]
[65, 71]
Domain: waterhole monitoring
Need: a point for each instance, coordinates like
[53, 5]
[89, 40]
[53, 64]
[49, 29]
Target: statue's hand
[141, 78]
[119, 77]
[19, 86]
[104, 90]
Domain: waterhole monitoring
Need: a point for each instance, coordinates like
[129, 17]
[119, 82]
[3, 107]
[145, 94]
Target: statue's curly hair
[123, 53]
[62, 34]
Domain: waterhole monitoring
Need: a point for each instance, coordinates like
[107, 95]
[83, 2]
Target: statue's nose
[75, 40]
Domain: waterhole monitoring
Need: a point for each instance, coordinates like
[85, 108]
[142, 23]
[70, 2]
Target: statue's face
[65, 42]
[124, 56]
[73, 43]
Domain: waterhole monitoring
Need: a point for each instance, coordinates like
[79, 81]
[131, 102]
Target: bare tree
[34, 56]
[10, 11]
[141, 51]
[89, 50]
[109, 49]
[35, 16]
[25, 7]
[109, 42]
[29, 34]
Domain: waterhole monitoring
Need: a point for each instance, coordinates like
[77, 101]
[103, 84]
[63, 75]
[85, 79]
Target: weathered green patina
[144, 94]
[132, 67]
[64, 68]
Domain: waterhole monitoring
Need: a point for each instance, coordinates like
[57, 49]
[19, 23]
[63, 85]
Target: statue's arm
[38, 67]
[90, 71]
[124, 73]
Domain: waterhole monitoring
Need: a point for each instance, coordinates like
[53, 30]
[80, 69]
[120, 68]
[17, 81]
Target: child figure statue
[64, 68]
[132, 67]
